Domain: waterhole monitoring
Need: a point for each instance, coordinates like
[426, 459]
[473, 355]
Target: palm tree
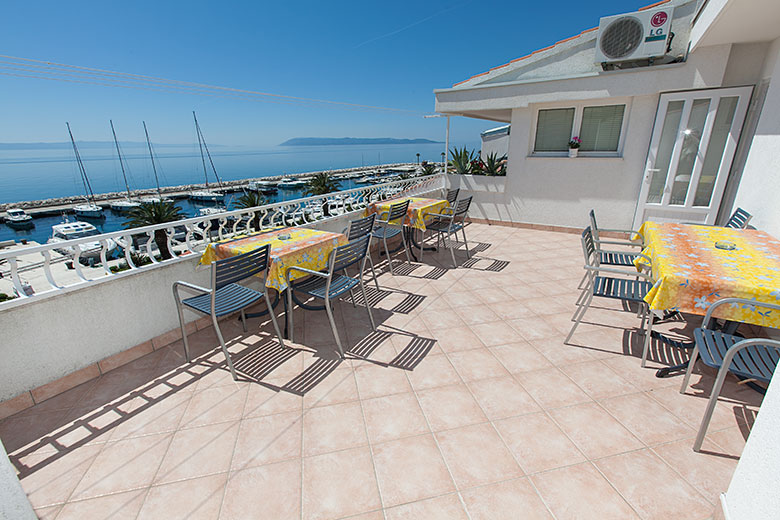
[321, 184]
[150, 213]
[251, 199]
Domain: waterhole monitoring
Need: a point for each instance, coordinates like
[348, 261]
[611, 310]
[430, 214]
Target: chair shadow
[373, 295]
[366, 346]
[409, 303]
[494, 265]
[413, 354]
[261, 361]
[313, 375]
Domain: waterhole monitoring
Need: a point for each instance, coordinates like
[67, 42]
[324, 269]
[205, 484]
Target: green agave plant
[150, 213]
[461, 160]
[494, 166]
[428, 169]
[251, 199]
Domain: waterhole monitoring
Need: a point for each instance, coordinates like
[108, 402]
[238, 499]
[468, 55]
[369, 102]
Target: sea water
[43, 174]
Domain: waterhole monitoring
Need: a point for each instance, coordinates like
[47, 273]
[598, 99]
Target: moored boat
[66, 231]
[17, 218]
[291, 184]
[88, 210]
[128, 204]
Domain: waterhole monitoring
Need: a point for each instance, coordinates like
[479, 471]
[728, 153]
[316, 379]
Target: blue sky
[390, 54]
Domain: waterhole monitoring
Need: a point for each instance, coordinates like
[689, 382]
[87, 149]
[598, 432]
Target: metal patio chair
[330, 284]
[360, 228]
[452, 196]
[614, 241]
[739, 219]
[748, 359]
[391, 226]
[448, 223]
[630, 286]
[226, 296]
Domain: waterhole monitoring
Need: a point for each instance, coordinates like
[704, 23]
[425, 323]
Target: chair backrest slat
[462, 207]
[361, 227]
[398, 211]
[739, 220]
[594, 228]
[588, 246]
[350, 253]
[239, 267]
[452, 196]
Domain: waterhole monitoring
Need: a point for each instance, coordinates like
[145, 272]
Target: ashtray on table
[727, 246]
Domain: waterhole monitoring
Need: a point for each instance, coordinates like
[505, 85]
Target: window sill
[583, 155]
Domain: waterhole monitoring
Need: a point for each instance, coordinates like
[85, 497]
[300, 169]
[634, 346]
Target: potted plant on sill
[574, 146]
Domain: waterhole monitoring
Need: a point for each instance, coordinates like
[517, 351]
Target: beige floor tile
[598, 380]
[731, 440]
[595, 432]
[441, 319]
[215, 405]
[581, 492]
[268, 398]
[119, 506]
[476, 456]
[337, 387]
[195, 452]
[552, 388]
[520, 357]
[49, 478]
[514, 311]
[534, 329]
[476, 364]
[410, 469]
[187, 499]
[446, 507]
[707, 471]
[142, 417]
[339, 484]
[505, 501]
[455, 339]
[671, 496]
[648, 420]
[433, 371]
[502, 397]
[270, 491]
[266, 439]
[476, 314]
[334, 427]
[538, 443]
[377, 380]
[496, 333]
[124, 465]
[691, 408]
[450, 407]
[560, 354]
[392, 417]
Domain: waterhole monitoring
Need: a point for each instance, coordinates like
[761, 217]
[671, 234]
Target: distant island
[329, 141]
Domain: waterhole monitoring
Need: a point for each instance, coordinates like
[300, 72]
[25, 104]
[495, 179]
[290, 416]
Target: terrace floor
[467, 404]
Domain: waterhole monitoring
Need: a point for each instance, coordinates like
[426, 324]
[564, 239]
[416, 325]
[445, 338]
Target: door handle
[649, 172]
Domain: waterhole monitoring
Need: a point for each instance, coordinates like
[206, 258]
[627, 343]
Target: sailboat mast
[208, 154]
[154, 168]
[200, 145]
[119, 154]
[82, 171]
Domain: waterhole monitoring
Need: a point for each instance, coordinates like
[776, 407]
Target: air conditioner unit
[634, 36]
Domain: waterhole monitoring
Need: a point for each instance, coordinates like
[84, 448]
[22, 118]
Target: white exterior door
[691, 150]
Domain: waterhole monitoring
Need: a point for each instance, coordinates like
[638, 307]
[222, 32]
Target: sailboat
[128, 203]
[206, 195]
[159, 197]
[89, 209]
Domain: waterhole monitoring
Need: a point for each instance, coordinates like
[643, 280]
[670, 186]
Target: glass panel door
[691, 150]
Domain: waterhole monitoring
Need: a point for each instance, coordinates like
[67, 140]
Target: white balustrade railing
[184, 237]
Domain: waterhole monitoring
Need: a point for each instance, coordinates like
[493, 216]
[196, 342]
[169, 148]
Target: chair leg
[352, 292]
[584, 277]
[183, 331]
[373, 272]
[452, 252]
[273, 318]
[705, 422]
[465, 242]
[579, 313]
[406, 247]
[368, 307]
[243, 319]
[648, 335]
[387, 252]
[689, 370]
[422, 244]
[224, 348]
[290, 327]
[328, 309]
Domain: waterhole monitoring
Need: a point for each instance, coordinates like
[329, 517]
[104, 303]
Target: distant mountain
[329, 141]
[65, 145]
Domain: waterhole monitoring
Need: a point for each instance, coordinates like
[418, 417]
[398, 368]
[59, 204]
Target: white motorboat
[206, 196]
[291, 184]
[124, 205]
[370, 179]
[152, 200]
[71, 230]
[266, 187]
[88, 210]
[207, 212]
[17, 218]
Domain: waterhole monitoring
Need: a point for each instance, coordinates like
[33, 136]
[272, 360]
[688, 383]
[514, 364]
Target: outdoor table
[691, 273]
[307, 248]
[419, 208]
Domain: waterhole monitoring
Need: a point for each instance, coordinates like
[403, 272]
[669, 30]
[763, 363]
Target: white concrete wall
[759, 188]
[753, 491]
[13, 501]
[498, 144]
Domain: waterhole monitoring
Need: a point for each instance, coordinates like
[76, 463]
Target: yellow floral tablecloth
[691, 273]
[306, 248]
[415, 215]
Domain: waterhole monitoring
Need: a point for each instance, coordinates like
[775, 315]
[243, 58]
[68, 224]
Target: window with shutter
[600, 128]
[553, 130]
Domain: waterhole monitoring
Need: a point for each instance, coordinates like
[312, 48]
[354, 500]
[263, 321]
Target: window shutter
[600, 129]
[553, 130]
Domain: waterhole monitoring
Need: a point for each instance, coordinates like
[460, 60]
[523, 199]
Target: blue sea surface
[43, 174]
